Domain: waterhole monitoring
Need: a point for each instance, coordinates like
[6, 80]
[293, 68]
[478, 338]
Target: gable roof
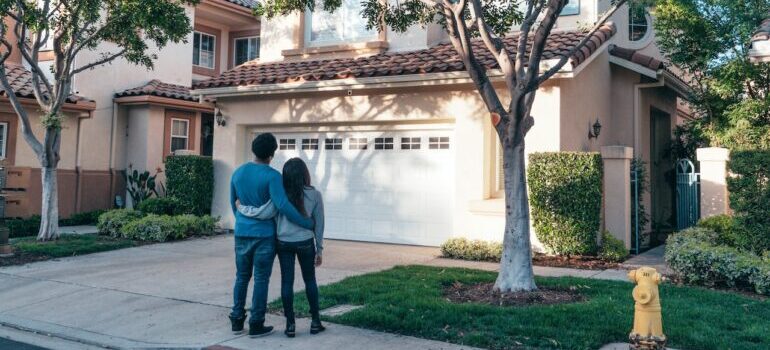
[21, 83]
[158, 88]
[651, 67]
[437, 59]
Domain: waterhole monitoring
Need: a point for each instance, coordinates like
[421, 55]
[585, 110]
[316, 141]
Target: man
[253, 184]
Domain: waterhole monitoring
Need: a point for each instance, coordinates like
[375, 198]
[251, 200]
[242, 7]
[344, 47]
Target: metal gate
[687, 195]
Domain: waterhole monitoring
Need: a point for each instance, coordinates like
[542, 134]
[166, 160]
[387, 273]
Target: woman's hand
[237, 202]
[318, 260]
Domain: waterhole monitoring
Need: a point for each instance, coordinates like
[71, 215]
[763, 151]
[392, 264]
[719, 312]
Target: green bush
[159, 206]
[193, 225]
[190, 179]
[694, 255]
[750, 198]
[162, 228]
[112, 222]
[86, 218]
[612, 249]
[465, 249]
[23, 227]
[566, 200]
[728, 232]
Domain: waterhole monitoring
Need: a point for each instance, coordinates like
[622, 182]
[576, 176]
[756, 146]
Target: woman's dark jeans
[305, 253]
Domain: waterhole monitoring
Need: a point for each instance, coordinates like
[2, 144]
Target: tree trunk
[49, 221]
[516, 272]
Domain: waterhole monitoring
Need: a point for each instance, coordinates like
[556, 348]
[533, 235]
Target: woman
[296, 242]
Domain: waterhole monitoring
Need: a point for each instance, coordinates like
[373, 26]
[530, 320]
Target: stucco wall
[25, 157]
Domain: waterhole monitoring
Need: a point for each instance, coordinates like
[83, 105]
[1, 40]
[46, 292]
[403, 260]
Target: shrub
[159, 206]
[193, 225]
[695, 257]
[728, 233]
[86, 218]
[190, 179]
[112, 222]
[750, 198]
[465, 249]
[23, 227]
[566, 200]
[158, 228]
[612, 249]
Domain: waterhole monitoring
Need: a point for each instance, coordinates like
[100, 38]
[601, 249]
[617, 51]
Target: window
[204, 48]
[438, 142]
[286, 144]
[383, 143]
[570, 9]
[180, 131]
[410, 143]
[637, 23]
[3, 139]
[309, 143]
[246, 49]
[333, 144]
[358, 143]
[344, 25]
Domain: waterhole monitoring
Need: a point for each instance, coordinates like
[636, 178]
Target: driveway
[178, 295]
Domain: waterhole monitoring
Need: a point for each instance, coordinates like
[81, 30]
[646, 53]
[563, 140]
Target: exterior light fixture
[595, 130]
[218, 117]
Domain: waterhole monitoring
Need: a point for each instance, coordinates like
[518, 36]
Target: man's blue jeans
[252, 254]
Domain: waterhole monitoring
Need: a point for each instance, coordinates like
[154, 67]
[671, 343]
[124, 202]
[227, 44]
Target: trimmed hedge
[30, 226]
[87, 218]
[162, 228]
[697, 258]
[160, 206]
[566, 200]
[750, 198]
[190, 179]
[112, 222]
[476, 250]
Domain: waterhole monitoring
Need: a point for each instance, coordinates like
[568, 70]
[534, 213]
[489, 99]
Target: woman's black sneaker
[237, 324]
[257, 330]
[316, 326]
[291, 329]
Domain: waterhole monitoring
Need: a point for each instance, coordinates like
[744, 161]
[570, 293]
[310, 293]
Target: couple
[274, 214]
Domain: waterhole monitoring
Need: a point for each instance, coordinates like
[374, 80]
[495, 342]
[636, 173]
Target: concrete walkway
[179, 294]
[652, 258]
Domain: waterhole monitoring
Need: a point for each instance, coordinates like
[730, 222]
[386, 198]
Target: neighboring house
[137, 116]
[760, 43]
[396, 136]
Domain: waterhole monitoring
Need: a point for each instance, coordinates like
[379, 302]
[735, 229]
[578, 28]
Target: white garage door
[379, 186]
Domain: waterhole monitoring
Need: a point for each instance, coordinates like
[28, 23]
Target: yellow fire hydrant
[648, 325]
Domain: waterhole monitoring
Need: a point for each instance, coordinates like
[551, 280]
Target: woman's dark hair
[295, 177]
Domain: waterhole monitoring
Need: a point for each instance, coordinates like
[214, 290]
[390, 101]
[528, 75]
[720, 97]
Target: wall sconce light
[595, 130]
[218, 117]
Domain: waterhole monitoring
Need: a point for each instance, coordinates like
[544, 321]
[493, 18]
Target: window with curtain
[343, 26]
[204, 49]
[180, 134]
[246, 49]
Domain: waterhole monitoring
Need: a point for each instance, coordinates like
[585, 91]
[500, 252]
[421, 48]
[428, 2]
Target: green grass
[71, 245]
[407, 300]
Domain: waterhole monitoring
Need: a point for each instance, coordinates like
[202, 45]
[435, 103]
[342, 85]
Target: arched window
[638, 23]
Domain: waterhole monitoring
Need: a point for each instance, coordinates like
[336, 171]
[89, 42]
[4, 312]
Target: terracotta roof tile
[637, 57]
[158, 88]
[440, 58]
[21, 83]
[245, 3]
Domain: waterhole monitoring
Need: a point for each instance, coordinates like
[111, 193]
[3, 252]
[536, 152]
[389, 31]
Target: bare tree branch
[26, 129]
[540, 38]
[534, 8]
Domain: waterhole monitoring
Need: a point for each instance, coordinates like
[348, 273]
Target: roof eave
[164, 101]
[669, 79]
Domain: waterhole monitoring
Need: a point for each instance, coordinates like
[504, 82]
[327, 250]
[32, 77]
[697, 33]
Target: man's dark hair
[264, 146]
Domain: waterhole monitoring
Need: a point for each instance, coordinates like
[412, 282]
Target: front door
[207, 134]
[662, 177]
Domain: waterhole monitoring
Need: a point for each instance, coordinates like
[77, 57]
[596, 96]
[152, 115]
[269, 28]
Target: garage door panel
[396, 195]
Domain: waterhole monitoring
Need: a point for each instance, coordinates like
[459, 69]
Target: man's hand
[318, 260]
[237, 202]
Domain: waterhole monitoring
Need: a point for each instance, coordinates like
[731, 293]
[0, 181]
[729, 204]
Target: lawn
[70, 245]
[408, 300]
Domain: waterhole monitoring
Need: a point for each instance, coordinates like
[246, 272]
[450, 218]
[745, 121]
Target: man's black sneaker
[291, 329]
[237, 324]
[316, 326]
[257, 330]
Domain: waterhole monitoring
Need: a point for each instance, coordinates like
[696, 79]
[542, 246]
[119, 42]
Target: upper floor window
[344, 25]
[180, 131]
[638, 23]
[246, 49]
[570, 9]
[3, 139]
[204, 48]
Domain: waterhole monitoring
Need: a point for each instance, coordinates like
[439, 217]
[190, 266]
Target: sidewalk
[178, 295]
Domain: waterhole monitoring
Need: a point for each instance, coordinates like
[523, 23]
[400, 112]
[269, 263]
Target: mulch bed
[575, 262]
[483, 293]
[21, 258]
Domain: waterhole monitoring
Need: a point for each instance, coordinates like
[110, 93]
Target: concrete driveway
[178, 295]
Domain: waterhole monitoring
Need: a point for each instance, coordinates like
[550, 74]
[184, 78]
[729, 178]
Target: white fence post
[617, 191]
[714, 199]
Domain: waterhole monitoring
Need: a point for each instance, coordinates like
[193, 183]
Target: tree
[73, 26]
[487, 20]
[710, 39]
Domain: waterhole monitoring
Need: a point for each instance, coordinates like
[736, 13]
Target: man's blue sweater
[254, 184]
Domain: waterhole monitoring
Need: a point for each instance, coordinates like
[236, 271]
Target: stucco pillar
[617, 191]
[713, 181]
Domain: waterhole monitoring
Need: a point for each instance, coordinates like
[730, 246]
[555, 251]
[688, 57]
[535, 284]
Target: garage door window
[309, 143]
[287, 144]
[358, 143]
[383, 143]
[438, 142]
[410, 143]
[333, 144]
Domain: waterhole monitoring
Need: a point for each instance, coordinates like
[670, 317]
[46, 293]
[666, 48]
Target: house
[397, 138]
[760, 43]
[134, 117]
